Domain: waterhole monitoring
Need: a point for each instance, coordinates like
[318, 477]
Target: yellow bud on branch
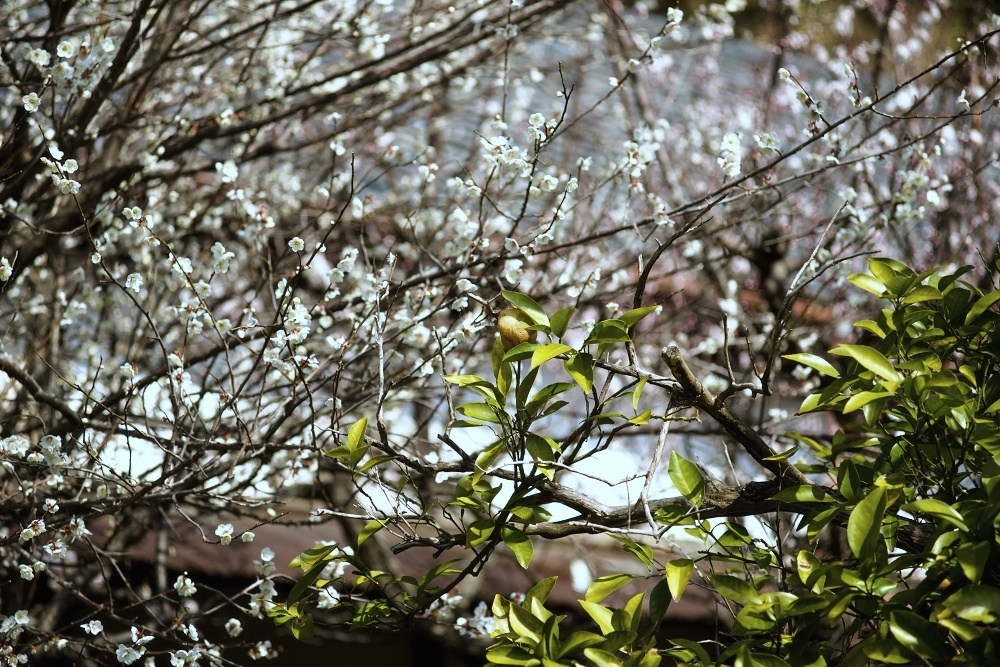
[511, 323]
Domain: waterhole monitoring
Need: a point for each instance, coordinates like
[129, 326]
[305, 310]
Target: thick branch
[749, 439]
[39, 394]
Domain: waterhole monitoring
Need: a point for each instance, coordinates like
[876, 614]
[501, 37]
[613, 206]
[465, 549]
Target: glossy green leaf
[480, 411]
[560, 321]
[867, 282]
[637, 392]
[865, 523]
[978, 603]
[603, 586]
[511, 654]
[356, 434]
[549, 351]
[917, 634]
[520, 544]
[600, 614]
[678, 573]
[632, 317]
[479, 532]
[938, 509]
[687, 478]
[602, 658]
[812, 361]
[981, 305]
[577, 642]
[527, 305]
[863, 398]
[736, 589]
[580, 367]
[870, 358]
[922, 293]
[659, 602]
[972, 558]
[370, 529]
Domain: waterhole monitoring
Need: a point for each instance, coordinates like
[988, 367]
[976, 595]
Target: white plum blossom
[34, 529]
[962, 102]
[134, 282]
[129, 654]
[30, 102]
[225, 532]
[729, 158]
[6, 270]
[329, 598]
[221, 257]
[65, 49]
[228, 172]
[184, 586]
[297, 244]
[767, 143]
[233, 627]
[93, 627]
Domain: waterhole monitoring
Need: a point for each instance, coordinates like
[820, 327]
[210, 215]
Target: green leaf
[560, 321]
[486, 458]
[871, 327]
[464, 380]
[867, 282]
[981, 305]
[871, 359]
[975, 602]
[659, 602]
[511, 654]
[695, 648]
[922, 293]
[865, 524]
[863, 398]
[307, 579]
[480, 411]
[602, 587]
[937, 509]
[356, 434]
[602, 658]
[520, 352]
[642, 418]
[917, 634]
[601, 615]
[479, 532]
[548, 351]
[525, 624]
[678, 573]
[577, 642]
[520, 544]
[758, 659]
[632, 317]
[637, 392]
[302, 627]
[812, 361]
[580, 367]
[528, 306]
[540, 591]
[972, 558]
[736, 589]
[687, 478]
[370, 529]
[803, 494]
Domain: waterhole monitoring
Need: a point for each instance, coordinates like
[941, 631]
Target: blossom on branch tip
[30, 102]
